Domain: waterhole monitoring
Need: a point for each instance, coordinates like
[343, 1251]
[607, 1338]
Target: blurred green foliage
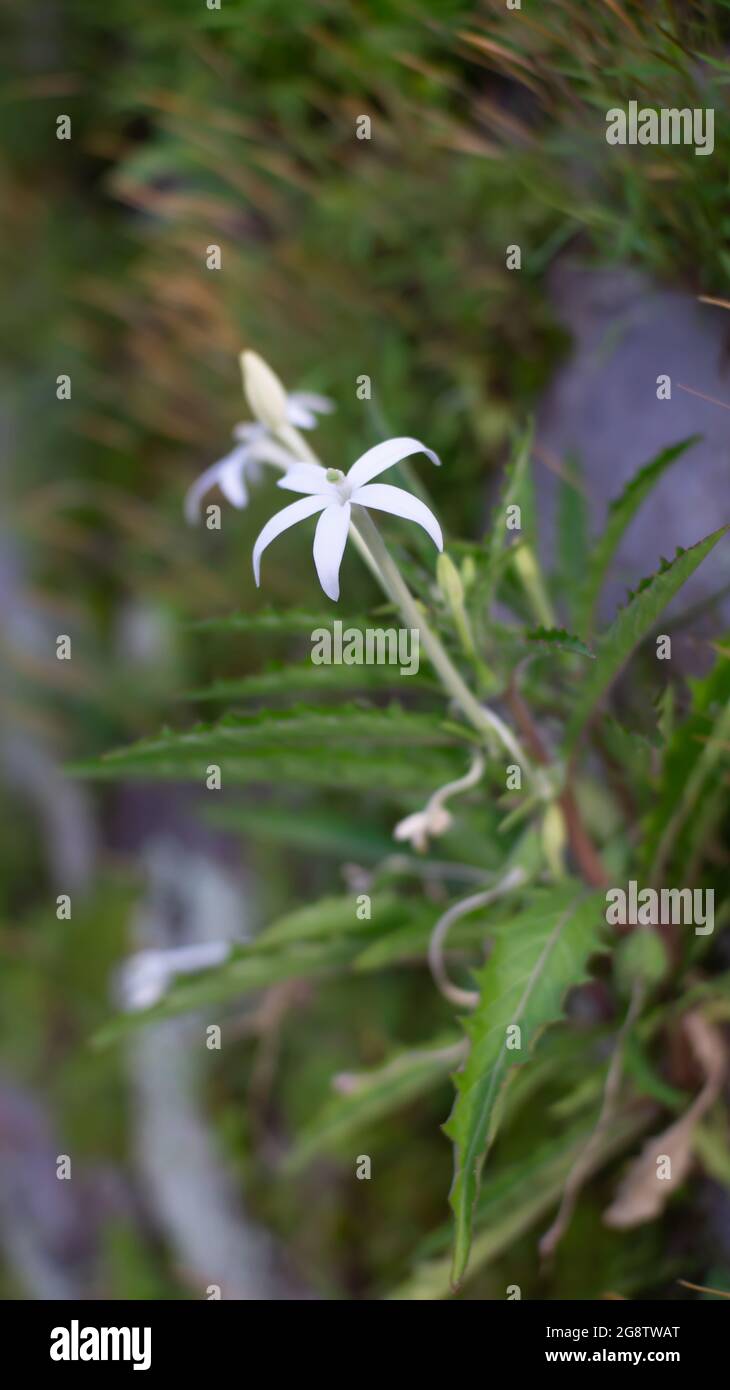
[340, 257]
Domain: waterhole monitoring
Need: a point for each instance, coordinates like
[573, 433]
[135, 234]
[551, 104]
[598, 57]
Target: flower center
[336, 476]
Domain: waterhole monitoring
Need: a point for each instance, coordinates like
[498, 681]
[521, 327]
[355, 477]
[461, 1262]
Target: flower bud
[468, 572]
[449, 580]
[264, 392]
[554, 839]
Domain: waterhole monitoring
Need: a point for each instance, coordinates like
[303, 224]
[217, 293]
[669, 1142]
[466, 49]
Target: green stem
[484, 720]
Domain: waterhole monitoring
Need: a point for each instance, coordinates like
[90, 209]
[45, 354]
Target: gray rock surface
[603, 409]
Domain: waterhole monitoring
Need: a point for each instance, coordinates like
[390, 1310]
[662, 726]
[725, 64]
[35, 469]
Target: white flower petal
[305, 406]
[198, 955]
[248, 431]
[227, 467]
[414, 829]
[267, 450]
[398, 502]
[143, 980]
[307, 477]
[232, 478]
[300, 417]
[423, 825]
[330, 539]
[311, 400]
[383, 456]
[298, 511]
[146, 975]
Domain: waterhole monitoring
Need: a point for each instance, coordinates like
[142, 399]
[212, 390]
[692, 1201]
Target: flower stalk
[483, 720]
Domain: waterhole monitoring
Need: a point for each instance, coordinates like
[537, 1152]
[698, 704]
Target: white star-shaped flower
[334, 493]
[254, 447]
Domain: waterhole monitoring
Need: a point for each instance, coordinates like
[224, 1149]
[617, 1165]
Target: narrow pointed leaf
[621, 513]
[631, 624]
[271, 621]
[558, 639]
[524, 983]
[515, 1199]
[312, 680]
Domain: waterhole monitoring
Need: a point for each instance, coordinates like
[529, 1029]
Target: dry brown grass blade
[621, 14]
[496, 50]
[701, 1288]
[709, 299]
[513, 63]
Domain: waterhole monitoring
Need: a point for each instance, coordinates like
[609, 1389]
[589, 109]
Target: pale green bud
[468, 572]
[264, 392]
[449, 580]
[554, 839]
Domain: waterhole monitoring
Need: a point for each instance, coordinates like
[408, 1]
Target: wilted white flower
[424, 825]
[434, 819]
[333, 494]
[254, 447]
[147, 974]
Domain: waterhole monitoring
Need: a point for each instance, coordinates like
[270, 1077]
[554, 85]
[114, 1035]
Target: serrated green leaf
[513, 1200]
[358, 769]
[557, 637]
[308, 678]
[337, 917]
[301, 724]
[621, 512]
[524, 982]
[347, 746]
[631, 624]
[693, 755]
[309, 830]
[371, 1095]
[272, 620]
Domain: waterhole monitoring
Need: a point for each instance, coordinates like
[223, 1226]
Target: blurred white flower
[303, 407]
[146, 975]
[254, 447]
[332, 493]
